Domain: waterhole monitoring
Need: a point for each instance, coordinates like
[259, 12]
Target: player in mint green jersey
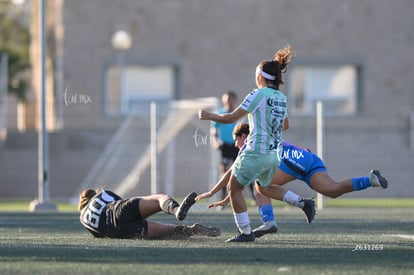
[266, 109]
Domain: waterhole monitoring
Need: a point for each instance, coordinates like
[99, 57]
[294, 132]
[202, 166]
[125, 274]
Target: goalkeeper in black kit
[105, 214]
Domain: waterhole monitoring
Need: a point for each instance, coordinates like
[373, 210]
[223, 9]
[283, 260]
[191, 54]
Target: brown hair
[231, 93]
[277, 66]
[240, 129]
[85, 197]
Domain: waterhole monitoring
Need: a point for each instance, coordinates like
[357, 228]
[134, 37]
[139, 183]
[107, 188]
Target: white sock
[293, 199]
[243, 222]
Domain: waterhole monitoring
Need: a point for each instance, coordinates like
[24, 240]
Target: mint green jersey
[267, 109]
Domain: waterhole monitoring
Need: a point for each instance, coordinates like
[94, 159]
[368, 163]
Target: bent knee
[262, 190]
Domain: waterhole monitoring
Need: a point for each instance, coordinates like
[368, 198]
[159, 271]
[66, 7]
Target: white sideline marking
[402, 236]
[284, 269]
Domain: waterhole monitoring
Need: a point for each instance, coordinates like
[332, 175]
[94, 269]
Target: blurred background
[107, 60]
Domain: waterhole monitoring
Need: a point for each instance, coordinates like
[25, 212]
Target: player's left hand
[218, 203]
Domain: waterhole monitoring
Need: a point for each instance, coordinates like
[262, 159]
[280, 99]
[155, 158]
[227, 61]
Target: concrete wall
[71, 155]
[217, 45]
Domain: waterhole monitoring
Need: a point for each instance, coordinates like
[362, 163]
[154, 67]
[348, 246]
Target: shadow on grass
[241, 254]
[59, 237]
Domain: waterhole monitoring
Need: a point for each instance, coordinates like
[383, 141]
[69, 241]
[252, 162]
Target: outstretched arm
[237, 114]
[220, 185]
[223, 202]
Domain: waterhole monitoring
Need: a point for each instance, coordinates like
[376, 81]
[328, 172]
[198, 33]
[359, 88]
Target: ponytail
[283, 57]
[272, 70]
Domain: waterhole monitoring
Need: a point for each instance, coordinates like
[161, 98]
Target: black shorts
[126, 219]
[228, 153]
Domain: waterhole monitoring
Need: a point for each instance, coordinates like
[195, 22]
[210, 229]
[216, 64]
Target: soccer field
[340, 241]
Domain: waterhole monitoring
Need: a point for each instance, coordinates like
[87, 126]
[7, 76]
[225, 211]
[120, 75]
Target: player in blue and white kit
[266, 109]
[105, 214]
[302, 164]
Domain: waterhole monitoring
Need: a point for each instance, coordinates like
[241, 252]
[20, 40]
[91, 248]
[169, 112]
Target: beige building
[354, 56]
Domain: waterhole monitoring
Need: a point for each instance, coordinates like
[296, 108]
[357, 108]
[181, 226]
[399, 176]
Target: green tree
[15, 41]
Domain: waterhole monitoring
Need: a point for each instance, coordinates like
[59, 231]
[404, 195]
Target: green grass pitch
[342, 240]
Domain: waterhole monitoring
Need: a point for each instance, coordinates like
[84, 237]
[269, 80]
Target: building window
[129, 90]
[335, 85]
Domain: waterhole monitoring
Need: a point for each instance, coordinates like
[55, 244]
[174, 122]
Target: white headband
[266, 75]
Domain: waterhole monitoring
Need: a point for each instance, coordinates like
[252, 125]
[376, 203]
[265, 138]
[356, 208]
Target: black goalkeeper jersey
[93, 216]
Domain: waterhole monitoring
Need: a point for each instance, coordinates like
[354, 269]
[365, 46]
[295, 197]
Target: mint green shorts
[251, 166]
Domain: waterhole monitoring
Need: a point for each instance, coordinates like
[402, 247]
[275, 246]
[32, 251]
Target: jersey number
[91, 215]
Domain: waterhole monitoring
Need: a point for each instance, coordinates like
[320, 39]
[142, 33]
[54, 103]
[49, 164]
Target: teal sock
[266, 212]
[360, 183]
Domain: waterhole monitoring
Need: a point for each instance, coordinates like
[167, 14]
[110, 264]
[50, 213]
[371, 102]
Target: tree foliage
[15, 41]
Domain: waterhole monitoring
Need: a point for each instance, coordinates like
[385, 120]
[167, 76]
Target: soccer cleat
[185, 206]
[309, 209]
[266, 228]
[376, 179]
[198, 229]
[240, 238]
